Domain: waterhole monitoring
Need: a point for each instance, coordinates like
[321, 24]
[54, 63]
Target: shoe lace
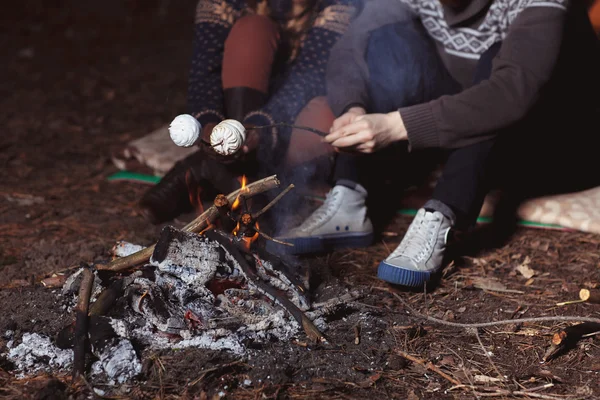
[419, 238]
[321, 213]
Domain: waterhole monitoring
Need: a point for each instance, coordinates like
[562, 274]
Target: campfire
[210, 285]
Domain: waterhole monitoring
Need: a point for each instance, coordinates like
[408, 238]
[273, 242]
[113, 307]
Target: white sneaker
[421, 252]
[340, 222]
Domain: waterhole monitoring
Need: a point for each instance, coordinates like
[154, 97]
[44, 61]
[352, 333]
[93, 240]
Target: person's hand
[367, 133]
[346, 118]
[252, 139]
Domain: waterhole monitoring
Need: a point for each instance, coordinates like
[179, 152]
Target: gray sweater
[530, 31]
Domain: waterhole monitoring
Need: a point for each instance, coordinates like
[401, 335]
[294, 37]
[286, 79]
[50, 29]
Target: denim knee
[404, 67]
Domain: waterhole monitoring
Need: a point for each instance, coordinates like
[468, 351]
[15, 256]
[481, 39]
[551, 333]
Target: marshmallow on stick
[185, 130]
[228, 137]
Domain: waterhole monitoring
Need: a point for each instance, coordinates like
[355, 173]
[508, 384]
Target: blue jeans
[405, 69]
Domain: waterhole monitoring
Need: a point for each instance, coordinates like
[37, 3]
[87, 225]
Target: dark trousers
[529, 158]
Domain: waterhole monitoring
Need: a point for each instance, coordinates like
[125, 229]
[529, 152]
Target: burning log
[223, 206]
[197, 225]
[591, 296]
[81, 322]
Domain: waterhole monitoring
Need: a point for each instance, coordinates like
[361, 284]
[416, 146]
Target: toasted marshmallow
[228, 137]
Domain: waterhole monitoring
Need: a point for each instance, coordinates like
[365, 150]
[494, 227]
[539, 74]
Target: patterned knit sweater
[531, 33]
[304, 75]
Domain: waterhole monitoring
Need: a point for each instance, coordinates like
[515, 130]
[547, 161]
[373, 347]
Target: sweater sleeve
[522, 67]
[347, 71]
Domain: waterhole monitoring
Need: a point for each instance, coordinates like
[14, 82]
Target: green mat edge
[135, 176]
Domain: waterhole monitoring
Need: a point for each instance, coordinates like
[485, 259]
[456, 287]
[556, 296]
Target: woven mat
[578, 211]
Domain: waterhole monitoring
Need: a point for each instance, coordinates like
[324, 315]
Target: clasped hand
[357, 131]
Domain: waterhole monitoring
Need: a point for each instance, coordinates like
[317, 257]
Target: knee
[257, 28]
[319, 105]
[396, 42]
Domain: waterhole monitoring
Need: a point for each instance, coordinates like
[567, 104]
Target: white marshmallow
[228, 137]
[185, 130]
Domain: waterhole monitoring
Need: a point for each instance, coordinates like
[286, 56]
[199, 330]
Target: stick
[223, 206]
[106, 298]
[273, 202]
[559, 318]
[272, 239]
[285, 125]
[485, 352]
[81, 322]
[591, 296]
[568, 338]
[197, 225]
[428, 365]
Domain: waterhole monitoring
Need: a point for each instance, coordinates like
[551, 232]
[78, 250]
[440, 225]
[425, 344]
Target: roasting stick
[197, 225]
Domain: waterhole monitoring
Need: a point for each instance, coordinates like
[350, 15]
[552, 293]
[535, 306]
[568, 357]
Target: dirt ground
[82, 77]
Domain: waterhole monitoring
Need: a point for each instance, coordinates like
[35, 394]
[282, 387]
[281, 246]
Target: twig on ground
[568, 337]
[429, 365]
[556, 318]
[500, 376]
[197, 225]
[81, 322]
[497, 392]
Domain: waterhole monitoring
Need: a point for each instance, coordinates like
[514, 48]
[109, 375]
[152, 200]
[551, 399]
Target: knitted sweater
[531, 33]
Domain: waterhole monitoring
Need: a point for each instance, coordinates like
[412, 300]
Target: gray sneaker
[340, 222]
[421, 252]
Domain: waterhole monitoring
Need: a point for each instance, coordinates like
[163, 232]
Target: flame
[237, 201]
[248, 240]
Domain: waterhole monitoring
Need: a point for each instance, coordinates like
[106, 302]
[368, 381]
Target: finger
[353, 140]
[351, 129]
[333, 136]
[341, 121]
[367, 147]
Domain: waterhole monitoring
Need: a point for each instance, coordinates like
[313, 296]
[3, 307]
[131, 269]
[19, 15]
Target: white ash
[193, 260]
[124, 249]
[37, 353]
[118, 361]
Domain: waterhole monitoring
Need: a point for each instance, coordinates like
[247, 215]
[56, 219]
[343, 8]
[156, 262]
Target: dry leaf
[525, 269]
[492, 285]
[529, 281]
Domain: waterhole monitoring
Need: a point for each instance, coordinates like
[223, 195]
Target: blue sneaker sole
[320, 244]
[402, 276]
